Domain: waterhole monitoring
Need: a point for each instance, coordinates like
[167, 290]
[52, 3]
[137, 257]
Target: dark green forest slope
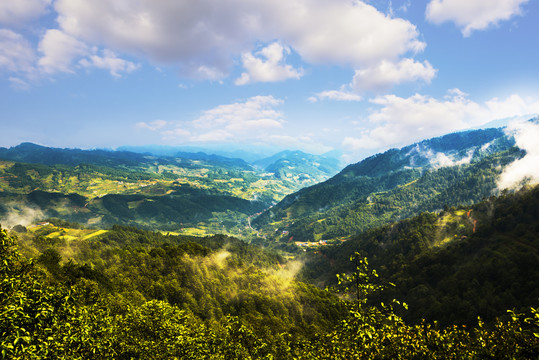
[452, 266]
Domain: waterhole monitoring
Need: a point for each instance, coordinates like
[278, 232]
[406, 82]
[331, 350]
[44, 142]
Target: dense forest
[450, 266]
[150, 296]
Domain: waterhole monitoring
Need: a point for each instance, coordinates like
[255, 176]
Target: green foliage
[128, 293]
[44, 319]
[375, 332]
[444, 270]
[380, 190]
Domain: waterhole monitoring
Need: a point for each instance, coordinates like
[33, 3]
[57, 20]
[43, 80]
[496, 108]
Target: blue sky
[314, 75]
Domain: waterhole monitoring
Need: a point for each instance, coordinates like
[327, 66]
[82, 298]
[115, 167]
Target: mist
[20, 214]
[525, 170]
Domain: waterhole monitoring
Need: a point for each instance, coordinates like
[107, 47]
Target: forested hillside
[136, 294]
[451, 266]
[394, 185]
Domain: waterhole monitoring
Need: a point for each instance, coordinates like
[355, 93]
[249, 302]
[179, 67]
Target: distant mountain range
[98, 187]
[253, 154]
[37, 154]
[286, 164]
[297, 164]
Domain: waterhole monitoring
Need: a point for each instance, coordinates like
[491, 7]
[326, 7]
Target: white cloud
[380, 77]
[386, 74]
[346, 33]
[18, 83]
[296, 141]
[400, 121]
[246, 120]
[473, 15]
[204, 37]
[152, 126]
[62, 52]
[255, 113]
[339, 95]
[109, 61]
[59, 51]
[175, 133]
[16, 53]
[18, 12]
[219, 135]
[267, 66]
[254, 119]
[206, 72]
[527, 168]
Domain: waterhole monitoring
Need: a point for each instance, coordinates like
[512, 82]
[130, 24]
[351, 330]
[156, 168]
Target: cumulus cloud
[16, 53]
[399, 121]
[153, 125]
[204, 37]
[473, 15]
[109, 61]
[255, 113]
[18, 12]
[527, 168]
[347, 33]
[62, 52]
[339, 95]
[59, 51]
[386, 74]
[252, 119]
[267, 66]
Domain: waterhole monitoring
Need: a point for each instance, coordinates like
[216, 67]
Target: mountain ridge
[384, 184]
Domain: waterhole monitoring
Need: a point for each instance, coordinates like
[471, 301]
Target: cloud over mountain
[526, 135]
[399, 121]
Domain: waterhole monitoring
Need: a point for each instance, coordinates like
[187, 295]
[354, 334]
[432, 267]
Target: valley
[211, 194]
[284, 257]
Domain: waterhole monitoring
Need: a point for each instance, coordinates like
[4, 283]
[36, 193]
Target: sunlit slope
[199, 193]
[454, 169]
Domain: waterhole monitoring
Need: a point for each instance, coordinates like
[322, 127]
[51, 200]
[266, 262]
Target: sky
[315, 75]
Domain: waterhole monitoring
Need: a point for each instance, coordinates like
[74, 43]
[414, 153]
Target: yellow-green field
[62, 233]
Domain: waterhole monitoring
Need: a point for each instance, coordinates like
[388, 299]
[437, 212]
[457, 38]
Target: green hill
[394, 185]
[452, 266]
